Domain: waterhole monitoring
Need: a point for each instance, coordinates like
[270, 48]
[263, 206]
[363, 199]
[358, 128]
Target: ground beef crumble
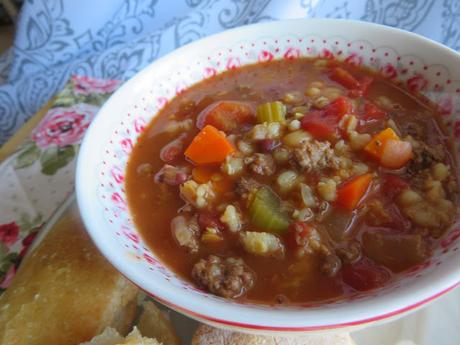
[316, 155]
[261, 164]
[225, 277]
[425, 156]
[245, 186]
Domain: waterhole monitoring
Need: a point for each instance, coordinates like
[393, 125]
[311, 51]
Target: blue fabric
[116, 38]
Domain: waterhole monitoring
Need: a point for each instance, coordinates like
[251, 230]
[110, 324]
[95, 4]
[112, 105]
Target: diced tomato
[357, 88]
[373, 119]
[340, 107]
[301, 229]
[364, 84]
[210, 220]
[373, 113]
[344, 78]
[226, 115]
[320, 125]
[364, 275]
[393, 185]
[395, 154]
[323, 124]
[297, 231]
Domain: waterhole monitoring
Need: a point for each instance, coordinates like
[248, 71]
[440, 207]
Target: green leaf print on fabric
[55, 158]
[30, 153]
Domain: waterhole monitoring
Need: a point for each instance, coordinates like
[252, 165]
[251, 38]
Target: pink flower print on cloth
[9, 233]
[64, 126]
[84, 85]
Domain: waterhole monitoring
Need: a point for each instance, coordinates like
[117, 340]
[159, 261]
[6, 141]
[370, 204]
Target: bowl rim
[442, 287]
[350, 324]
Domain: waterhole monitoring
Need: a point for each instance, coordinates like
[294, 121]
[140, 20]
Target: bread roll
[65, 292]
[206, 335]
[111, 337]
[153, 324]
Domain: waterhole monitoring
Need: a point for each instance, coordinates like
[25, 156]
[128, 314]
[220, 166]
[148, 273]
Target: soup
[292, 182]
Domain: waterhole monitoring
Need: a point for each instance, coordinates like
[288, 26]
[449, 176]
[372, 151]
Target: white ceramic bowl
[421, 64]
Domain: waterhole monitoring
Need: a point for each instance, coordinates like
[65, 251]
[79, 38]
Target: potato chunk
[395, 251]
[262, 243]
[185, 231]
[232, 218]
[199, 195]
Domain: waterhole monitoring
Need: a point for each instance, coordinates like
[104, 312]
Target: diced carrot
[350, 193]
[221, 183]
[209, 147]
[226, 115]
[376, 145]
[390, 151]
[395, 154]
[202, 174]
[345, 78]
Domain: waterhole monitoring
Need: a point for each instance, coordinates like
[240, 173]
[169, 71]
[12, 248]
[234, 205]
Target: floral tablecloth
[39, 176]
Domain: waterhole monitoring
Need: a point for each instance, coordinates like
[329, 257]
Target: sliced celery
[265, 212]
[271, 112]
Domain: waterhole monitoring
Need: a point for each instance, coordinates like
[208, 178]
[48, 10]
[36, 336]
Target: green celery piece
[271, 112]
[265, 212]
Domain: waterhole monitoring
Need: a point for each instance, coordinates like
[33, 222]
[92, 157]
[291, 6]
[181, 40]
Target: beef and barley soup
[293, 182]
